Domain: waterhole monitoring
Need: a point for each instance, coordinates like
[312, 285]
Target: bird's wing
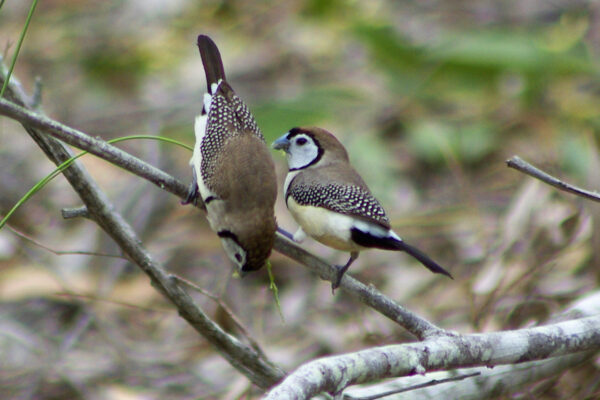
[228, 118]
[345, 199]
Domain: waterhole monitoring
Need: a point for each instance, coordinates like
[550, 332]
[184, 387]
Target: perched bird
[233, 171]
[331, 202]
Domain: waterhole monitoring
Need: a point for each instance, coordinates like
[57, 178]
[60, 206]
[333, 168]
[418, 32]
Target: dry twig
[523, 166]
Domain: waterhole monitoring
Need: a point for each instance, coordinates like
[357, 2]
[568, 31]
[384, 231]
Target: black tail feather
[391, 243]
[422, 258]
[211, 59]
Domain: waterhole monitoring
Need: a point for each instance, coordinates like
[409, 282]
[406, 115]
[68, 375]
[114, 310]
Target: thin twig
[237, 322]
[77, 212]
[523, 166]
[97, 299]
[61, 252]
[432, 382]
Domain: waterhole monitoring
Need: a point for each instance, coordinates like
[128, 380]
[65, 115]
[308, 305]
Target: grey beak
[282, 143]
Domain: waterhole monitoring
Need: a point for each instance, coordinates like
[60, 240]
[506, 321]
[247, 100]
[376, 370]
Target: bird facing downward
[233, 171]
[331, 202]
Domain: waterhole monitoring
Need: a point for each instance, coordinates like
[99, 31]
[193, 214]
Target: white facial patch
[302, 151]
[234, 251]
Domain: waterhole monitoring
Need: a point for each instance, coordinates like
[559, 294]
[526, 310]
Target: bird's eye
[238, 257]
[301, 141]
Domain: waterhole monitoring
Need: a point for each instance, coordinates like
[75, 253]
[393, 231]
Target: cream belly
[330, 228]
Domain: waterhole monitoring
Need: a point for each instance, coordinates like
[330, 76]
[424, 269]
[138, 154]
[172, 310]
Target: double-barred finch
[233, 171]
[331, 202]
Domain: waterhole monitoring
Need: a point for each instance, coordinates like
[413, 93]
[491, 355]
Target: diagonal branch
[416, 325]
[245, 359]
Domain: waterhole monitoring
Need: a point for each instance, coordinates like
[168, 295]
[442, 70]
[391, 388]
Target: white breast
[328, 227]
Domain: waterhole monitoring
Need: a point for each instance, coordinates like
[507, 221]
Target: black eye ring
[301, 141]
[238, 257]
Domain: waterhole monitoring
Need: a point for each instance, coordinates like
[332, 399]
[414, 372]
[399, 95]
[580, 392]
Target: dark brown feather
[211, 60]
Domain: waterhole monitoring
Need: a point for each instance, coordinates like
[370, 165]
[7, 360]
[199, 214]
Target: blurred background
[429, 97]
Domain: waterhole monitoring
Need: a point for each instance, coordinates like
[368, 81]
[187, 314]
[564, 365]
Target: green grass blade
[275, 290]
[19, 43]
[39, 185]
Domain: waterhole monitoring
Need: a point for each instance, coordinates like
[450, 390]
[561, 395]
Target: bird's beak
[282, 143]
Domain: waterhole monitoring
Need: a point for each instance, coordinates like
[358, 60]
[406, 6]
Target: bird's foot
[193, 194]
[335, 283]
[341, 270]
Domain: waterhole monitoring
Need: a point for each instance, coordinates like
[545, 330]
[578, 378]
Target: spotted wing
[228, 117]
[345, 199]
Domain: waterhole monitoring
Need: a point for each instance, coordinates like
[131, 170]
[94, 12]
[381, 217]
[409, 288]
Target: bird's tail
[211, 59]
[421, 257]
[391, 241]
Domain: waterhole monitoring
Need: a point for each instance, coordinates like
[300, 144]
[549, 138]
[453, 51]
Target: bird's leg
[341, 270]
[285, 233]
[192, 191]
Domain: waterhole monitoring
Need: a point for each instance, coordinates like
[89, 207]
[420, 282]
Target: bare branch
[259, 370]
[416, 325]
[523, 166]
[333, 374]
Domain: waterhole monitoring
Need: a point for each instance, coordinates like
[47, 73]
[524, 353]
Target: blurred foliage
[429, 98]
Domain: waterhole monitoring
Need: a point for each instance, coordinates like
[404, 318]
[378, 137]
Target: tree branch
[523, 166]
[245, 359]
[333, 374]
[416, 325]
